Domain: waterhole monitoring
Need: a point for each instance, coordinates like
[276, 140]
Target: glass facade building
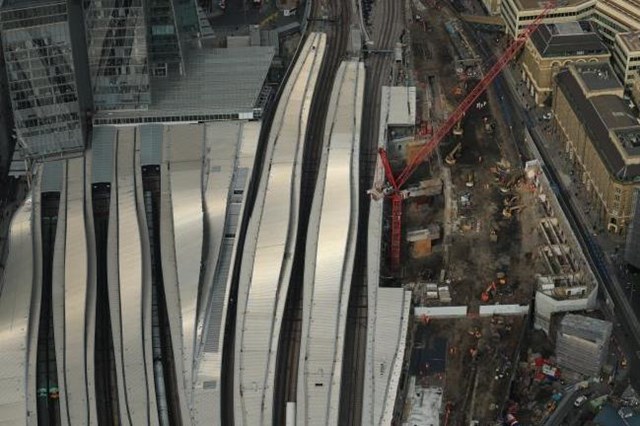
[41, 77]
[165, 51]
[117, 52]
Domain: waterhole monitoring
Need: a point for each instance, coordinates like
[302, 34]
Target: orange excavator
[488, 293]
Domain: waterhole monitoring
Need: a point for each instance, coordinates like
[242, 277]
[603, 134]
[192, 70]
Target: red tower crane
[395, 183]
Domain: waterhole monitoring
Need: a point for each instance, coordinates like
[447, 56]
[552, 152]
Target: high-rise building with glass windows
[41, 77]
[117, 52]
[165, 49]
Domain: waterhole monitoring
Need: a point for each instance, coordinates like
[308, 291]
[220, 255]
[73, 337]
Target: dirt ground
[470, 385]
[470, 255]
[471, 260]
[474, 259]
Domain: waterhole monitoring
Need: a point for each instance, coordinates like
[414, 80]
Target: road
[563, 409]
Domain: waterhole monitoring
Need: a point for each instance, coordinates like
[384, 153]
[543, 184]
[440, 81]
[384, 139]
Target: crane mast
[429, 147]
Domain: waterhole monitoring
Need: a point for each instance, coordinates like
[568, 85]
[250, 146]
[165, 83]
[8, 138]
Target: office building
[617, 22]
[171, 25]
[41, 76]
[626, 56]
[553, 46]
[117, 53]
[602, 139]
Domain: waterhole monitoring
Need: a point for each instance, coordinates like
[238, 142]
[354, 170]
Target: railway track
[337, 30]
[389, 15]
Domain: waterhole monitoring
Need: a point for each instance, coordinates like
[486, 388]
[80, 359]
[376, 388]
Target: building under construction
[582, 343]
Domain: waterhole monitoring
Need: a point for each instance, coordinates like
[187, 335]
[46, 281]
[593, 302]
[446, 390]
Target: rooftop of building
[568, 39]
[630, 40]
[17, 4]
[216, 81]
[629, 139]
[601, 115]
[402, 105]
[598, 76]
[588, 328]
[529, 5]
[609, 416]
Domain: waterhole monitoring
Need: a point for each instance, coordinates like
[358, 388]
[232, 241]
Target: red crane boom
[397, 182]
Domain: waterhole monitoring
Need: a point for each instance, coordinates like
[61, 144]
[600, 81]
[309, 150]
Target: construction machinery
[510, 200]
[425, 129]
[450, 159]
[489, 292]
[457, 130]
[395, 183]
[471, 180]
[507, 212]
[507, 184]
[475, 332]
[489, 125]
[493, 234]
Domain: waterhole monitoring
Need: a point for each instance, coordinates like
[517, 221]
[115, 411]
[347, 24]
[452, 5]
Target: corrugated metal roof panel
[271, 238]
[102, 141]
[52, 176]
[330, 253]
[151, 136]
[15, 303]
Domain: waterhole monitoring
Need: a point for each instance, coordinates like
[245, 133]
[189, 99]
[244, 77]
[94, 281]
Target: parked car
[580, 400]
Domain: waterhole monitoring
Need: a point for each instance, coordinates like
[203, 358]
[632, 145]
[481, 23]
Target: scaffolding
[582, 343]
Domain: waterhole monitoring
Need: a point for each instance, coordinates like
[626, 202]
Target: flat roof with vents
[598, 76]
[631, 40]
[629, 140]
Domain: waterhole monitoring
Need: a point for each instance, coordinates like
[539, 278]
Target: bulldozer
[508, 212]
[450, 159]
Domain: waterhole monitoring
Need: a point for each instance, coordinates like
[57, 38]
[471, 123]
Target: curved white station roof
[270, 244]
[183, 157]
[70, 291]
[129, 285]
[229, 160]
[16, 287]
[330, 252]
[204, 171]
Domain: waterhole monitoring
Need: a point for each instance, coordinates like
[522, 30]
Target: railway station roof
[402, 105]
[218, 84]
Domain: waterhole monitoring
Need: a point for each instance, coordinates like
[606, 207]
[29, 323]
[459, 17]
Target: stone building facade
[602, 139]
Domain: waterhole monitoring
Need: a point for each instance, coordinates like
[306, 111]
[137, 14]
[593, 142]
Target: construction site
[474, 231]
